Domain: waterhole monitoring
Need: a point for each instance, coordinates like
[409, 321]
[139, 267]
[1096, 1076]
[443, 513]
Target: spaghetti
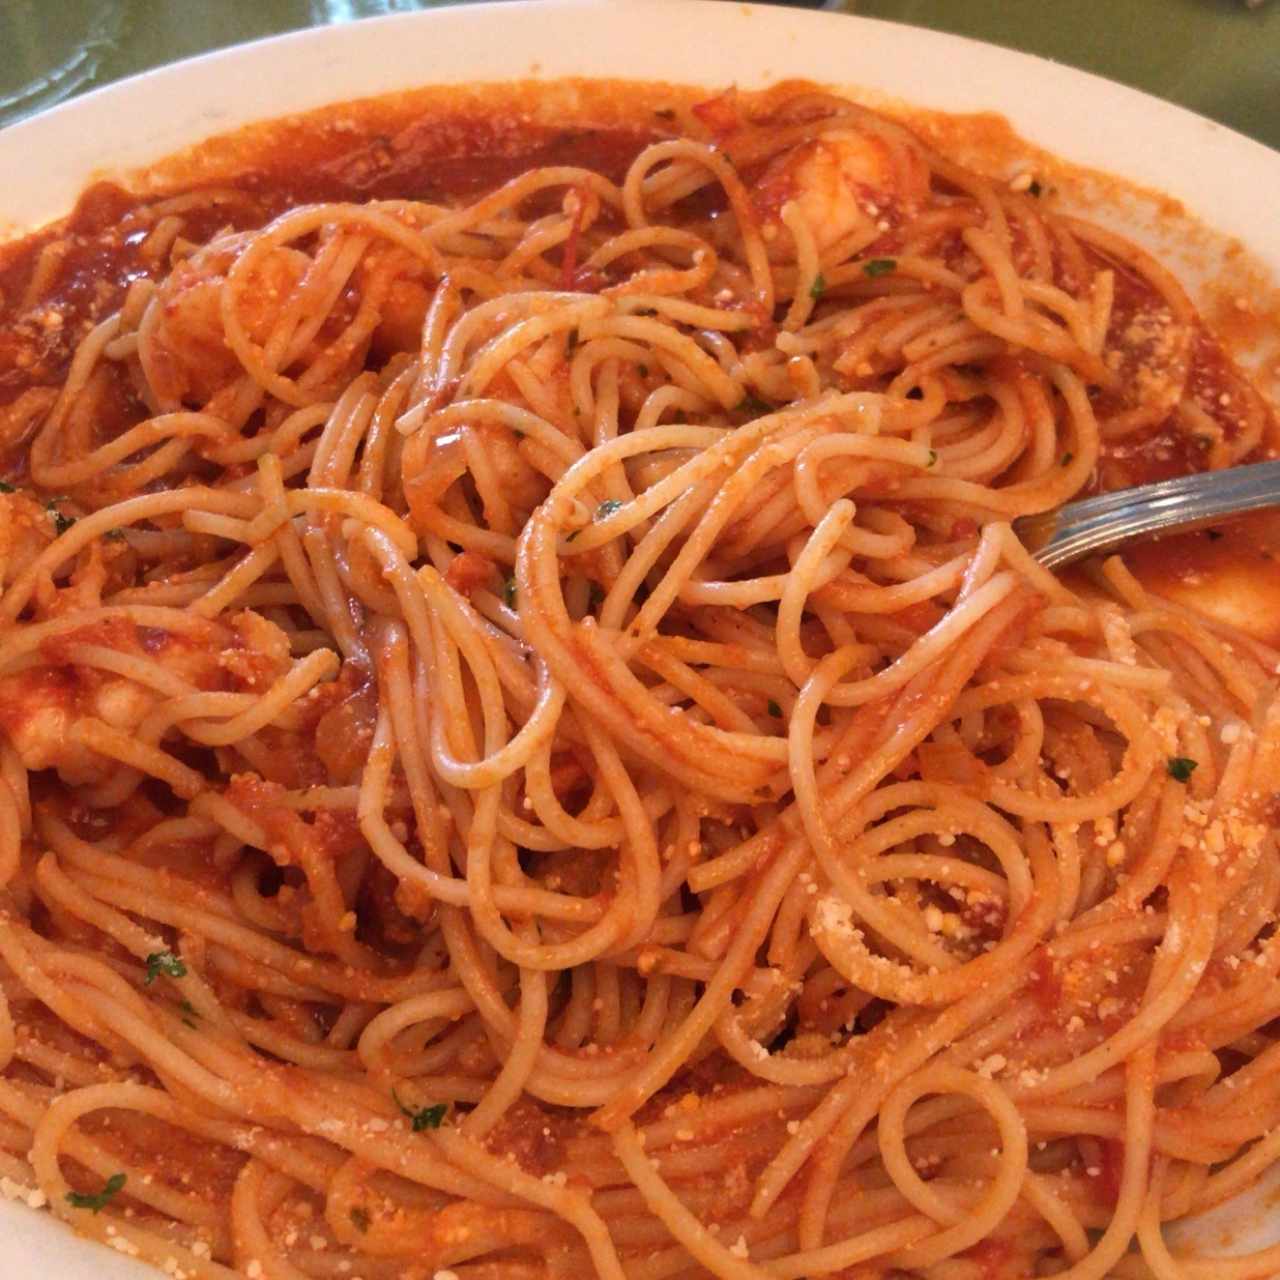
[531, 749]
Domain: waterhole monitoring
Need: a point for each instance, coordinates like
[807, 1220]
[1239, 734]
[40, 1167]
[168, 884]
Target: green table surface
[1215, 56]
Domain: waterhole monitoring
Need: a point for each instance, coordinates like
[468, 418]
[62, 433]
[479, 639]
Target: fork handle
[1085, 528]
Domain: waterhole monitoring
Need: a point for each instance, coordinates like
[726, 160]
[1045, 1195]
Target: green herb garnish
[880, 266]
[509, 593]
[165, 962]
[1181, 768]
[189, 1014]
[607, 508]
[61, 523]
[99, 1199]
[424, 1117]
[6, 487]
[818, 287]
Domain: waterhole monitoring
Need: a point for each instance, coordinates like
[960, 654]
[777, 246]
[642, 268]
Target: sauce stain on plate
[1231, 573]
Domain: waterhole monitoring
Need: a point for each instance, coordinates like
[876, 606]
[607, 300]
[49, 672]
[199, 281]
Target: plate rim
[56, 128]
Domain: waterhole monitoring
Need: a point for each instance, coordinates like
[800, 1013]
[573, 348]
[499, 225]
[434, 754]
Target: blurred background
[1218, 57]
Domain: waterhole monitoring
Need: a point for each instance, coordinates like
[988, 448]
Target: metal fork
[1080, 529]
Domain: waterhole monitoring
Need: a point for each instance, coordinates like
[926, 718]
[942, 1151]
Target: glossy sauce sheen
[382, 150]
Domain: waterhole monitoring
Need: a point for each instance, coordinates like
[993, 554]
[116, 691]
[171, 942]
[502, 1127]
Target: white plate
[1226, 180]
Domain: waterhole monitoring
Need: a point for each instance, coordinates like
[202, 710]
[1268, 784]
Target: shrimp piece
[25, 530]
[842, 182]
[186, 356]
[20, 418]
[36, 715]
[403, 311]
[522, 486]
[41, 704]
[433, 463]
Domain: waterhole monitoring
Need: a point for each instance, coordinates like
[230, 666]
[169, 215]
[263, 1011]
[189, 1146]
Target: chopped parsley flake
[99, 1199]
[1181, 768]
[880, 267]
[6, 487]
[424, 1117]
[509, 593]
[607, 508]
[61, 523]
[818, 287]
[165, 962]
